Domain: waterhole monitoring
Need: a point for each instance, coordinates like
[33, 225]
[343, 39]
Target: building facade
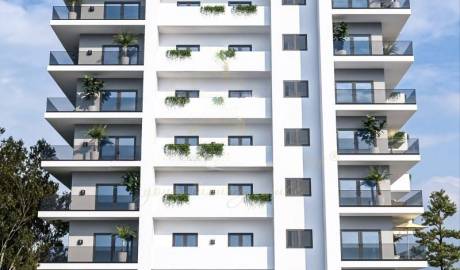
[233, 135]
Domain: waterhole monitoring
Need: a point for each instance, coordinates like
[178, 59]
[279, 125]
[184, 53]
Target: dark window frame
[186, 188]
[291, 3]
[119, 99]
[187, 93]
[286, 130]
[352, 43]
[188, 3]
[360, 237]
[230, 92]
[308, 180]
[185, 235]
[239, 3]
[295, 43]
[130, 243]
[240, 239]
[117, 147]
[191, 47]
[354, 91]
[187, 138]
[240, 189]
[236, 46]
[120, 48]
[299, 230]
[240, 140]
[297, 84]
[122, 9]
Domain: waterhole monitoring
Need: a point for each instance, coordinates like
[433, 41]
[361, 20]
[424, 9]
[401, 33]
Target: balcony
[83, 207]
[397, 105]
[204, 110]
[215, 207]
[98, 12]
[205, 64]
[356, 146]
[174, 19]
[394, 57]
[234, 157]
[370, 4]
[241, 258]
[403, 204]
[95, 57]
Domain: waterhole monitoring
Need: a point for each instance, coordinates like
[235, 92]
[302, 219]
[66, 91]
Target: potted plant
[340, 31]
[244, 9]
[371, 130]
[176, 101]
[224, 55]
[210, 150]
[258, 198]
[373, 179]
[126, 234]
[125, 39]
[177, 149]
[98, 135]
[218, 100]
[178, 199]
[73, 15]
[214, 10]
[133, 185]
[92, 88]
[396, 140]
[178, 54]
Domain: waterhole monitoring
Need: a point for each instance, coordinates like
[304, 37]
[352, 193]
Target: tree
[25, 239]
[439, 253]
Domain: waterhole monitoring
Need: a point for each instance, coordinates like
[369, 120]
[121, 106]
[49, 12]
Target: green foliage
[258, 198]
[340, 31]
[92, 86]
[179, 54]
[390, 48]
[371, 130]
[223, 55]
[176, 101]
[132, 181]
[125, 39]
[244, 9]
[210, 150]
[25, 239]
[175, 198]
[218, 100]
[397, 139]
[440, 253]
[125, 232]
[177, 149]
[375, 176]
[215, 10]
[98, 132]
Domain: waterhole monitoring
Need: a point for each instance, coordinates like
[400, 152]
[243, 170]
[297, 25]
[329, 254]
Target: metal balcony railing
[357, 146]
[375, 96]
[103, 104]
[382, 252]
[95, 57]
[386, 198]
[90, 254]
[108, 152]
[373, 48]
[69, 202]
[96, 12]
[365, 4]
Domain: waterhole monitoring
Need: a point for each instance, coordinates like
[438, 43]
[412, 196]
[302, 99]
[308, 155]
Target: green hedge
[212, 10]
[178, 54]
[244, 9]
[175, 198]
[258, 198]
[177, 149]
[210, 150]
[176, 101]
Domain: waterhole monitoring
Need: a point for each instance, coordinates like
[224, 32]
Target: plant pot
[375, 3]
[94, 155]
[125, 60]
[396, 4]
[73, 15]
[339, 47]
[122, 256]
[375, 149]
[132, 206]
[341, 52]
[380, 199]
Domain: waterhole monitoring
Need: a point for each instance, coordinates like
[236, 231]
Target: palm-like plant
[125, 233]
[374, 177]
[73, 3]
[98, 134]
[125, 39]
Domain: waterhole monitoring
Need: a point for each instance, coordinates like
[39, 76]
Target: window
[298, 187]
[239, 140]
[349, 141]
[360, 245]
[295, 89]
[190, 140]
[299, 239]
[239, 93]
[188, 3]
[112, 197]
[122, 11]
[193, 48]
[350, 3]
[118, 100]
[354, 92]
[185, 239]
[188, 93]
[240, 48]
[239, 3]
[297, 137]
[239, 189]
[294, 2]
[111, 54]
[295, 42]
[358, 45]
[189, 189]
[358, 192]
[118, 148]
[107, 246]
[240, 239]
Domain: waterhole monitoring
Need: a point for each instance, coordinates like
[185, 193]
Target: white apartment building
[265, 134]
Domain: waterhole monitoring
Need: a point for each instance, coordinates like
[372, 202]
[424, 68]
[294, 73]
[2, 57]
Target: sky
[434, 27]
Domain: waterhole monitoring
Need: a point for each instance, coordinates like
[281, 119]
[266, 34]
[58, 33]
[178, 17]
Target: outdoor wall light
[82, 192]
[89, 52]
[91, 9]
[79, 242]
[212, 242]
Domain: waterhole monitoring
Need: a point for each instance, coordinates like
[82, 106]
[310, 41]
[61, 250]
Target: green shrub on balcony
[178, 54]
[224, 55]
[258, 198]
[176, 101]
[397, 139]
[210, 150]
[175, 199]
[218, 100]
[244, 9]
[213, 10]
[177, 149]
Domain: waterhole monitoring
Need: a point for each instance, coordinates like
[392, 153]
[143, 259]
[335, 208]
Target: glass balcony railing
[382, 252]
[90, 254]
[95, 57]
[363, 4]
[103, 104]
[69, 202]
[357, 146]
[128, 11]
[373, 48]
[375, 96]
[107, 152]
[386, 198]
